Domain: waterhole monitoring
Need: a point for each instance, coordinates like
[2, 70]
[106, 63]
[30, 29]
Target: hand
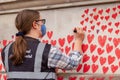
[79, 34]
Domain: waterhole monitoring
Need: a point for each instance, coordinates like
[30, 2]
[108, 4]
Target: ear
[34, 25]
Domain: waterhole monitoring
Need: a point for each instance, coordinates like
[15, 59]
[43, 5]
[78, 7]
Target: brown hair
[23, 23]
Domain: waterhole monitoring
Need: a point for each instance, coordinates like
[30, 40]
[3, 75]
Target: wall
[101, 46]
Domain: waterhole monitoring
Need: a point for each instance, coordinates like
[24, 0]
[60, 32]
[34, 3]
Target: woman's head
[24, 20]
[28, 22]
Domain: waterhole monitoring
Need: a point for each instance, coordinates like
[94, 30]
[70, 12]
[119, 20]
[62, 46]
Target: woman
[29, 59]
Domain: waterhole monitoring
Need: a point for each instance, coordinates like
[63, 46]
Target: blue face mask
[43, 29]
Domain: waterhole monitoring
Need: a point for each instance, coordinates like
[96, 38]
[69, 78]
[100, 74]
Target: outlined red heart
[100, 51]
[92, 48]
[83, 15]
[93, 27]
[4, 42]
[70, 38]
[60, 78]
[96, 17]
[53, 42]
[82, 22]
[110, 30]
[91, 78]
[84, 47]
[85, 58]
[110, 23]
[117, 24]
[94, 68]
[114, 15]
[86, 68]
[86, 19]
[94, 9]
[90, 37]
[117, 52]
[102, 60]
[102, 40]
[67, 49]
[111, 59]
[108, 10]
[82, 78]
[109, 48]
[116, 42]
[49, 34]
[86, 11]
[103, 27]
[114, 68]
[72, 77]
[105, 69]
[117, 31]
[107, 18]
[94, 58]
[100, 11]
[61, 41]
[79, 67]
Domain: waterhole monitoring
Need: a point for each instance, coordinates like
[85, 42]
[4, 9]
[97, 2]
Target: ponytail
[19, 50]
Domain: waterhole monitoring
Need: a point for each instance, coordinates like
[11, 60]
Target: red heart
[103, 27]
[4, 42]
[60, 78]
[84, 28]
[70, 38]
[105, 69]
[79, 67]
[84, 47]
[111, 77]
[61, 41]
[109, 23]
[92, 27]
[100, 51]
[102, 17]
[110, 30]
[82, 22]
[100, 11]
[86, 11]
[91, 14]
[4, 77]
[45, 41]
[1, 67]
[98, 23]
[67, 49]
[117, 52]
[96, 17]
[92, 47]
[82, 78]
[86, 68]
[110, 39]
[114, 68]
[102, 60]
[90, 38]
[114, 15]
[87, 19]
[49, 34]
[111, 59]
[109, 48]
[53, 42]
[116, 42]
[91, 21]
[83, 15]
[91, 78]
[117, 24]
[108, 10]
[89, 31]
[85, 58]
[94, 58]
[119, 6]
[102, 40]
[94, 68]
[114, 9]
[116, 31]
[94, 9]
[72, 78]
[107, 17]
[101, 78]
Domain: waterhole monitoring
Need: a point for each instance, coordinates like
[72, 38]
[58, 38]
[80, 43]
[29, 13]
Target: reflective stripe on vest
[37, 67]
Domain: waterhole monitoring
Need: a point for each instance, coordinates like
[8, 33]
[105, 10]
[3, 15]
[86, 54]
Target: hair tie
[20, 34]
